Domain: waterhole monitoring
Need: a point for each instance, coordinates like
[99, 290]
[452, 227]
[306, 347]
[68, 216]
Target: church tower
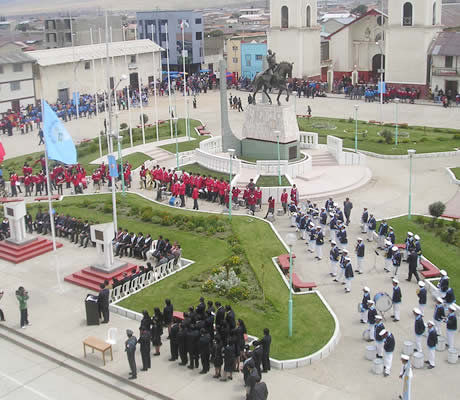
[412, 27]
[295, 35]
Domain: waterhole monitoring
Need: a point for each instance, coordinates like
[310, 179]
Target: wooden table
[97, 344]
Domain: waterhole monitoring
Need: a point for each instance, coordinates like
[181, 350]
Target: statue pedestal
[264, 126]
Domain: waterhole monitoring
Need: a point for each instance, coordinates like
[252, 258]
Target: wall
[252, 53]
[25, 94]
[234, 56]
[50, 79]
[217, 163]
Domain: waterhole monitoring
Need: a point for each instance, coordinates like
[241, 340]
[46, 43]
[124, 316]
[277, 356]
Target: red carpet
[17, 254]
[91, 278]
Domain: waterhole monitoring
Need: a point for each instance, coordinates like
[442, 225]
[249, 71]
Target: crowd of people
[206, 334]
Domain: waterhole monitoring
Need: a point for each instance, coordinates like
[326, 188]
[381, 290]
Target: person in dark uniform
[103, 303]
[266, 342]
[181, 344]
[229, 360]
[431, 343]
[192, 339]
[201, 307]
[239, 339]
[144, 342]
[204, 348]
[220, 319]
[217, 357]
[168, 311]
[257, 356]
[412, 259]
[130, 348]
[174, 330]
[157, 331]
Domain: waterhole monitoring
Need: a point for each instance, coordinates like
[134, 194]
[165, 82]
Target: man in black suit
[266, 342]
[126, 244]
[220, 318]
[103, 302]
[201, 308]
[146, 247]
[161, 244]
[139, 245]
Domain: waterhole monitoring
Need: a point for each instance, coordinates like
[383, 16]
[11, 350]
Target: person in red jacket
[222, 187]
[252, 203]
[195, 195]
[235, 193]
[28, 182]
[215, 190]
[258, 195]
[284, 200]
[271, 207]
[246, 197]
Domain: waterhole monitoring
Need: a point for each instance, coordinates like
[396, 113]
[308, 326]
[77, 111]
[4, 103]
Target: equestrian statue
[274, 77]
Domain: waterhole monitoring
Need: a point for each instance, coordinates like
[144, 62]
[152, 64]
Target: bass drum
[383, 302]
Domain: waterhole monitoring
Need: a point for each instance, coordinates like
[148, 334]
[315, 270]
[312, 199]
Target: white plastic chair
[153, 247]
[149, 277]
[116, 293]
[134, 283]
[125, 289]
[141, 281]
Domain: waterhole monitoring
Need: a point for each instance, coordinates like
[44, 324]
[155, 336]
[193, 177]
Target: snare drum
[383, 302]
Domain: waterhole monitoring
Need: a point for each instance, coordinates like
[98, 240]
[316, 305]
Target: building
[213, 53]
[60, 72]
[445, 63]
[58, 31]
[412, 27]
[193, 36]
[252, 58]
[331, 23]
[295, 35]
[233, 50]
[16, 78]
[356, 46]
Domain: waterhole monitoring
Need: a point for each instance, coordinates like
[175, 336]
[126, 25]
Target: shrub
[451, 233]
[220, 229]
[107, 208]
[156, 219]
[189, 226]
[419, 220]
[455, 224]
[387, 136]
[123, 125]
[211, 232]
[208, 286]
[440, 223]
[423, 139]
[29, 158]
[234, 260]
[238, 293]
[135, 210]
[436, 209]
[166, 220]
[199, 229]
[457, 137]
[350, 120]
[147, 215]
[145, 117]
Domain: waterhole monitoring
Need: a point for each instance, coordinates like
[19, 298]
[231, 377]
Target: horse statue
[273, 80]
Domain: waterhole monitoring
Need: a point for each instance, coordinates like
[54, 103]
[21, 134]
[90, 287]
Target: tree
[436, 210]
[146, 118]
[359, 10]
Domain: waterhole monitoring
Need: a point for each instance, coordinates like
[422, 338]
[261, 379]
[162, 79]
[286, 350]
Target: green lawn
[438, 251]
[312, 326]
[190, 144]
[196, 168]
[456, 172]
[270, 181]
[422, 139]
[136, 159]
[89, 151]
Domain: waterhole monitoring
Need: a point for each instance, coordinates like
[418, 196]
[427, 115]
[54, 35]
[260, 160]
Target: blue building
[194, 38]
[252, 54]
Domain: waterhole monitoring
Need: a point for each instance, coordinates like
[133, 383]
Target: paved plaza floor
[57, 308]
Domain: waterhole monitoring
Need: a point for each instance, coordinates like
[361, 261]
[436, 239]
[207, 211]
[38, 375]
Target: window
[235, 60]
[163, 54]
[67, 23]
[15, 85]
[248, 60]
[407, 14]
[17, 68]
[434, 13]
[449, 62]
[51, 25]
[258, 57]
[198, 21]
[380, 36]
[68, 37]
[284, 17]
[235, 48]
[380, 20]
[308, 22]
[163, 37]
[163, 22]
[133, 59]
[198, 35]
[87, 65]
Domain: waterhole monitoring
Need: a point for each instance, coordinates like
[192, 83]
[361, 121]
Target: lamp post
[396, 121]
[77, 105]
[379, 43]
[177, 143]
[279, 156]
[230, 153]
[291, 238]
[411, 153]
[120, 158]
[356, 128]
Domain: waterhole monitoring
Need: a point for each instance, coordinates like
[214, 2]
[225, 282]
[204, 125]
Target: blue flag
[113, 169]
[58, 142]
[76, 98]
[381, 85]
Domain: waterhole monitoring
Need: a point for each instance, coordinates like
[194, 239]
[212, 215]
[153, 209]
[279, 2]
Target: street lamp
[290, 239]
[177, 143]
[396, 121]
[379, 43]
[279, 156]
[356, 128]
[230, 153]
[76, 85]
[411, 153]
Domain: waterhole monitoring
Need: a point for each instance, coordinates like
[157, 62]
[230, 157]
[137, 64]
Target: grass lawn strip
[422, 139]
[456, 172]
[272, 181]
[434, 248]
[196, 168]
[188, 145]
[313, 325]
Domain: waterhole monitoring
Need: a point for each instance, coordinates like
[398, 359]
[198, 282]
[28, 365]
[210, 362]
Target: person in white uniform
[406, 376]
[419, 329]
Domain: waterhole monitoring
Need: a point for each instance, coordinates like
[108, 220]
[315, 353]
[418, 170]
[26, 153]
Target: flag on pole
[58, 142]
[184, 24]
[381, 87]
[2, 152]
[113, 169]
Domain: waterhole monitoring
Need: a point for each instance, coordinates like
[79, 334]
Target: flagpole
[139, 84]
[110, 133]
[48, 185]
[169, 80]
[115, 97]
[185, 79]
[155, 87]
[128, 94]
[95, 92]
[77, 97]
[104, 94]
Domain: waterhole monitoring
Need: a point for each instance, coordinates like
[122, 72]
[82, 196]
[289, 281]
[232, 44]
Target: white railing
[308, 140]
[273, 167]
[217, 163]
[335, 147]
[212, 145]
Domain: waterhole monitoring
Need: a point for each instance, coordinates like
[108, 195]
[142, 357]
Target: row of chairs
[144, 280]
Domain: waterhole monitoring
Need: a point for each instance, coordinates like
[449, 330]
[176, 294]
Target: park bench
[283, 261]
[44, 198]
[298, 284]
[99, 345]
[429, 270]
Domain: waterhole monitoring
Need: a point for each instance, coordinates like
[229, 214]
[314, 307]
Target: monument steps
[323, 159]
[91, 278]
[159, 155]
[16, 254]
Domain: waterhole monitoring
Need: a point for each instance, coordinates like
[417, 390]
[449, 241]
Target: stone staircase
[159, 155]
[323, 159]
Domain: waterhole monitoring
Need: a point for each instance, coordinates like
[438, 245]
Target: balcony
[442, 71]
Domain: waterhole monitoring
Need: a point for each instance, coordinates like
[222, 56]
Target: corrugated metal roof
[15, 58]
[116, 49]
[446, 44]
[451, 15]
